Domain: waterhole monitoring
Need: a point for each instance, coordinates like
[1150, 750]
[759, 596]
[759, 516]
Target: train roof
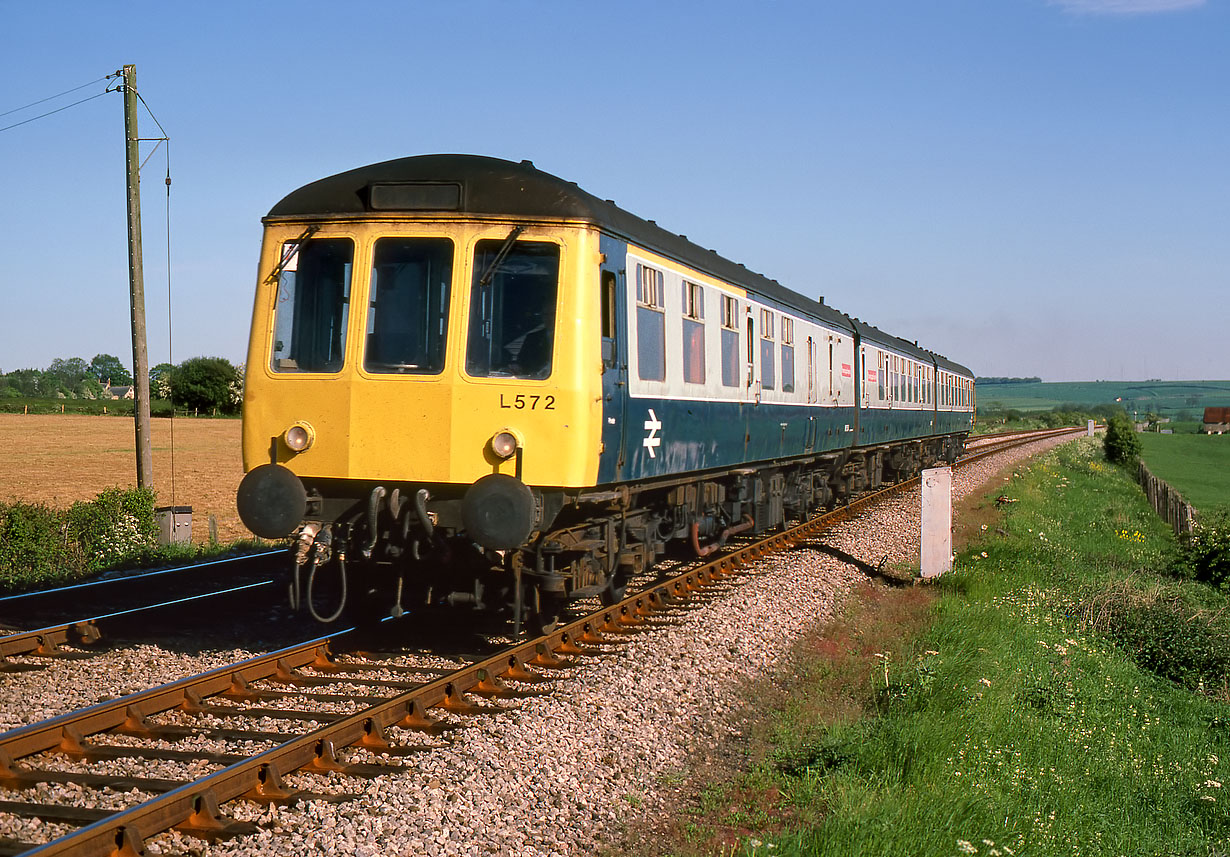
[871, 333]
[479, 185]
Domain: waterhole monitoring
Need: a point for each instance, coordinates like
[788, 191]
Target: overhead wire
[165, 138]
[52, 112]
[170, 328]
[58, 95]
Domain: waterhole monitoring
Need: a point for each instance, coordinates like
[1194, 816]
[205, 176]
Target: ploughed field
[59, 459]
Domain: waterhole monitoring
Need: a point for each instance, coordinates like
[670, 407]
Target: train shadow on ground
[877, 572]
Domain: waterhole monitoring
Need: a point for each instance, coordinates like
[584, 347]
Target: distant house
[119, 392]
[1216, 421]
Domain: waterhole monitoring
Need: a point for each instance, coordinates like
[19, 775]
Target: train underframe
[401, 548]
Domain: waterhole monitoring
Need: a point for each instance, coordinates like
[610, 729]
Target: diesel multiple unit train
[472, 382]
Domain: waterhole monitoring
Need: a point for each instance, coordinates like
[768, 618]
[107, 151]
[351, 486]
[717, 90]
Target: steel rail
[194, 808]
[47, 641]
[122, 579]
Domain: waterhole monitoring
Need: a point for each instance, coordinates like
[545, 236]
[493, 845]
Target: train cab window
[512, 309]
[407, 318]
[693, 333]
[787, 355]
[650, 324]
[313, 305]
[768, 365]
[730, 341]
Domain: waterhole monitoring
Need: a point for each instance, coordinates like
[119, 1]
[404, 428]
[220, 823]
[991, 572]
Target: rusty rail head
[47, 641]
[37, 737]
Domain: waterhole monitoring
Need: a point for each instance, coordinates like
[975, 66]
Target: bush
[1204, 553]
[116, 527]
[1120, 442]
[32, 544]
[205, 384]
[40, 546]
[1163, 639]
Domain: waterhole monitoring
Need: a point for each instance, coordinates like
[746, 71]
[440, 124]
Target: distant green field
[1182, 400]
[1196, 465]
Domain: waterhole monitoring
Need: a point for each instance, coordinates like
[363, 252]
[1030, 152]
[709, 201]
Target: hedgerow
[1204, 553]
[44, 546]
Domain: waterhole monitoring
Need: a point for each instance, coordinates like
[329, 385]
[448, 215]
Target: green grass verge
[1049, 697]
[1196, 465]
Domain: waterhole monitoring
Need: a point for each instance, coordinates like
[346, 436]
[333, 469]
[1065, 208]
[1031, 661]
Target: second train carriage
[471, 381]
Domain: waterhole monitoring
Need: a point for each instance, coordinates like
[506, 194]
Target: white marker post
[1089, 428]
[936, 522]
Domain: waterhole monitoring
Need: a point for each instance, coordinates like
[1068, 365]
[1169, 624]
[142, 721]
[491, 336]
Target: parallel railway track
[366, 740]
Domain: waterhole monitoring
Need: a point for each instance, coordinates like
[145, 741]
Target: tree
[236, 390]
[28, 382]
[204, 383]
[65, 375]
[160, 381]
[108, 369]
[87, 388]
[1120, 442]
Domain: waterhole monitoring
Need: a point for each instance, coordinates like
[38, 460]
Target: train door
[863, 373]
[833, 388]
[612, 284]
[813, 425]
[753, 382]
[811, 371]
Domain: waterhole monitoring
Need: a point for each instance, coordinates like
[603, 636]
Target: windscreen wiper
[505, 249]
[294, 251]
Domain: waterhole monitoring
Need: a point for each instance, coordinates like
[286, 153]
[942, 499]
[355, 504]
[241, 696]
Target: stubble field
[60, 459]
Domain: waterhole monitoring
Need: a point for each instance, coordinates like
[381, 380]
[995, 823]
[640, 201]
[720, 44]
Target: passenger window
[730, 341]
[313, 305]
[787, 355]
[693, 333]
[768, 364]
[407, 319]
[650, 324]
[512, 309]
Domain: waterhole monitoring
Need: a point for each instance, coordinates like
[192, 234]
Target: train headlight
[300, 436]
[504, 444]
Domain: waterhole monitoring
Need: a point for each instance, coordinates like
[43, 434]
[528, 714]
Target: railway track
[301, 709]
[41, 623]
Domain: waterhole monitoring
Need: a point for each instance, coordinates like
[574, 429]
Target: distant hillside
[1181, 400]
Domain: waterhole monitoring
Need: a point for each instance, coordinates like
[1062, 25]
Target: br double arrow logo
[652, 425]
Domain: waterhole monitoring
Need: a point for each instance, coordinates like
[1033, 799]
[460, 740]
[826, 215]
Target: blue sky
[1030, 187]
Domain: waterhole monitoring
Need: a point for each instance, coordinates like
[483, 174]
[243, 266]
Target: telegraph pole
[136, 283]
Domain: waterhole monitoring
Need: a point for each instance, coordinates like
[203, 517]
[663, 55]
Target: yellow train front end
[384, 377]
[422, 391]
